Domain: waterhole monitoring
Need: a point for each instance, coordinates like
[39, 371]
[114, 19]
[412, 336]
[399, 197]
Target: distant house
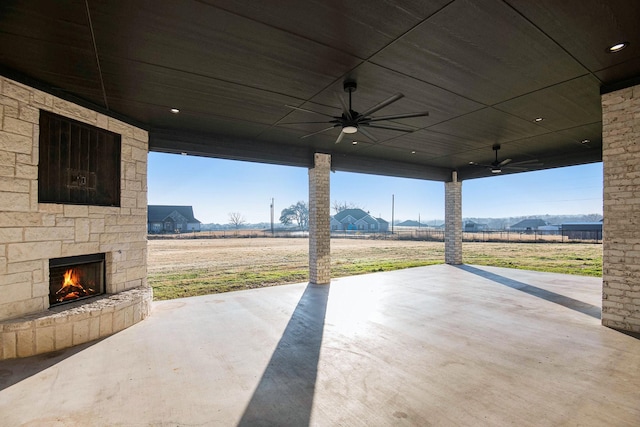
[582, 230]
[549, 229]
[473, 227]
[409, 223]
[357, 220]
[171, 219]
[382, 224]
[528, 225]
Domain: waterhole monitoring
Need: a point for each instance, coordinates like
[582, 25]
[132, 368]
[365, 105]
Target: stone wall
[621, 230]
[31, 233]
[319, 220]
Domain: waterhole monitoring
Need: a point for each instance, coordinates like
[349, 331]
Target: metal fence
[420, 234]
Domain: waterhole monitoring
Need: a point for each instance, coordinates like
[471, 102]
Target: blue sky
[216, 187]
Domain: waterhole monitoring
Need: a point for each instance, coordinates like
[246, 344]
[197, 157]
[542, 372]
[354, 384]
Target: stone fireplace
[96, 236]
[75, 278]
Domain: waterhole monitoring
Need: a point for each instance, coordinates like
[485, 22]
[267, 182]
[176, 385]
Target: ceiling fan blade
[527, 162]
[340, 137]
[504, 162]
[345, 108]
[383, 104]
[524, 167]
[389, 127]
[310, 111]
[308, 123]
[397, 116]
[315, 133]
[366, 133]
[480, 164]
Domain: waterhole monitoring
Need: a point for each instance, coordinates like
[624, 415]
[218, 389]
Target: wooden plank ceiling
[484, 70]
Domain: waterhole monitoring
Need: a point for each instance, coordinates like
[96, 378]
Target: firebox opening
[75, 278]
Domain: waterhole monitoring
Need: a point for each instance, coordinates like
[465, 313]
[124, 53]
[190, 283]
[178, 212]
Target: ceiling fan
[352, 121]
[497, 166]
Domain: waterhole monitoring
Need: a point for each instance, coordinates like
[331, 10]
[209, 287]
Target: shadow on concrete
[565, 301]
[13, 371]
[285, 393]
[635, 335]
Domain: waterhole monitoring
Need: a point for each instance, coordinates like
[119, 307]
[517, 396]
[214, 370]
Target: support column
[453, 220]
[621, 229]
[319, 214]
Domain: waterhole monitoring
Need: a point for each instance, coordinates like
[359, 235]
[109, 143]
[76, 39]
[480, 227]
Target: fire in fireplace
[74, 278]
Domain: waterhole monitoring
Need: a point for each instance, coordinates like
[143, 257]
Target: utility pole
[272, 216]
[393, 201]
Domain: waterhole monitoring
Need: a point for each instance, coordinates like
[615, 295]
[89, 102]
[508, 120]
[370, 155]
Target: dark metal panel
[490, 126]
[626, 74]
[265, 152]
[207, 41]
[192, 94]
[388, 167]
[51, 42]
[347, 25]
[586, 28]
[431, 143]
[482, 50]
[565, 105]
[224, 147]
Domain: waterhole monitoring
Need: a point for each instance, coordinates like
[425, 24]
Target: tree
[298, 213]
[236, 219]
[343, 206]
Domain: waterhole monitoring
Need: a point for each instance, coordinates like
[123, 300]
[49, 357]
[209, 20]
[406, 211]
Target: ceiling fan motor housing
[350, 86]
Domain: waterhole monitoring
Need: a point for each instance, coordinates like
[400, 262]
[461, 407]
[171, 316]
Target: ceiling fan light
[350, 129]
[496, 170]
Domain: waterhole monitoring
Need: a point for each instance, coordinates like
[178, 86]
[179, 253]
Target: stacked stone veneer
[31, 233]
[453, 221]
[621, 231]
[319, 217]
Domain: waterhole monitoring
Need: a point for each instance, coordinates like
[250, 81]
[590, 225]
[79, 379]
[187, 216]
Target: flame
[71, 287]
[71, 278]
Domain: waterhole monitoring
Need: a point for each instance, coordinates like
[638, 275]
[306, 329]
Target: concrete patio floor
[439, 345]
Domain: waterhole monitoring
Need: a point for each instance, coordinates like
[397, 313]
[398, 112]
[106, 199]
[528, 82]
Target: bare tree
[236, 219]
[343, 206]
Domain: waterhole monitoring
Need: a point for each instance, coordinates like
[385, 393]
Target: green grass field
[182, 268]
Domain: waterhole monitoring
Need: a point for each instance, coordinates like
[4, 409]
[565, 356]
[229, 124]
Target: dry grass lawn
[187, 267]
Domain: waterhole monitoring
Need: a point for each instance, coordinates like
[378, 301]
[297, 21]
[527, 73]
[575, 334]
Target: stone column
[621, 229]
[319, 227]
[453, 221]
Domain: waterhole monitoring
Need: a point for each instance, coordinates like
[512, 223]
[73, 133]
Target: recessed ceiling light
[617, 47]
[355, 143]
[174, 110]
[585, 141]
[538, 119]
[413, 152]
